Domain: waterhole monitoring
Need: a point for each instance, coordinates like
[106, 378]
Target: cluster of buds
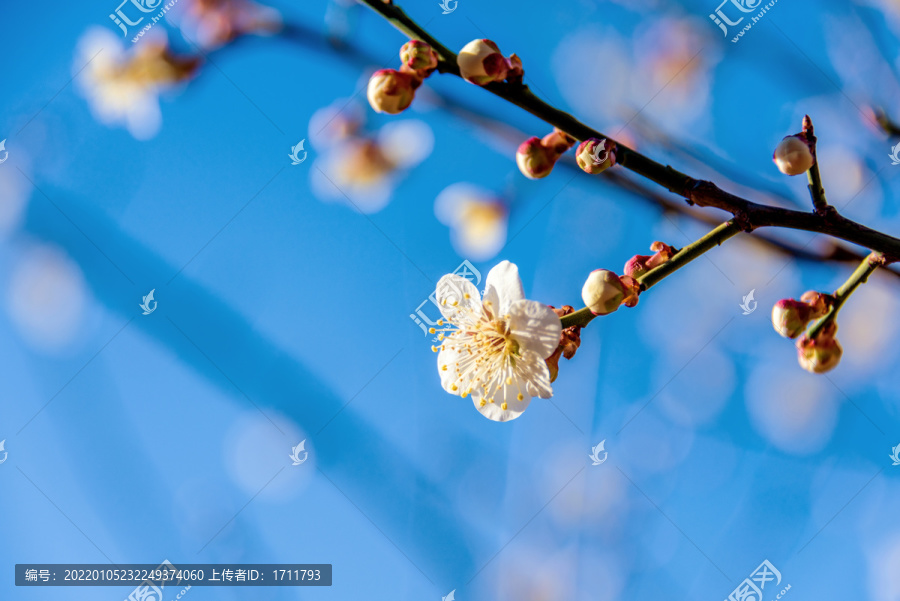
[391, 90]
[481, 62]
[604, 291]
[816, 354]
[569, 341]
[790, 317]
[537, 156]
[822, 353]
[638, 265]
[596, 156]
[796, 154]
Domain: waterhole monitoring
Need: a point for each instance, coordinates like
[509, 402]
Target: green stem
[859, 276]
[816, 190]
[684, 256]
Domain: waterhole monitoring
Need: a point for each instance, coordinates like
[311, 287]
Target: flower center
[486, 355]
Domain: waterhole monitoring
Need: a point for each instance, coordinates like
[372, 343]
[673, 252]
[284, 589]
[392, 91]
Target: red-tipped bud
[821, 354]
[534, 160]
[418, 56]
[790, 317]
[480, 62]
[391, 91]
[596, 156]
[537, 156]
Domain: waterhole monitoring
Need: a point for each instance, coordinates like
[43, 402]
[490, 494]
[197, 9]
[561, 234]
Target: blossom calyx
[569, 341]
[391, 91]
[596, 156]
[480, 62]
[794, 155]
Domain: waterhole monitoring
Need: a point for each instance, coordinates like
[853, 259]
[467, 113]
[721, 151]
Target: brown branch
[748, 214]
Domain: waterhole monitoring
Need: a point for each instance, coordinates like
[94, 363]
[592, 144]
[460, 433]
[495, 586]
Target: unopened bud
[790, 317]
[537, 156]
[391, 91]
[821, 354]
[534, 160]
[603, 292]
[480, 62]
[793, 155]
[596, 156]
[418, 56]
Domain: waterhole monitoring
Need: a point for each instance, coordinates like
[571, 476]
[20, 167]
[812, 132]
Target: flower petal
[531, 368]
[455, 296]
[449, 358]
[503, 287]
[535, 327]
[495, 411]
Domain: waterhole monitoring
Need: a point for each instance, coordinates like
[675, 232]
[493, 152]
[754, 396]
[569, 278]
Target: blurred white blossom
[477, 220]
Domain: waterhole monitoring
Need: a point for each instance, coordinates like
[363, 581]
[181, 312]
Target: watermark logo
[152, 589]
[600, 153]
[139, 9]
[748, 304]
[145, 304]
[466, 270]
[751, 589]
[739, 8]
[450, 597]
[895, 150]
[595, 453]
[295, 153]
[5, 454]
[895, 454]
[447, 9]
[6, 154]
[295, 453]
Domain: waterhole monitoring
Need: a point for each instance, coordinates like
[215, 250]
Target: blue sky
[283, 316]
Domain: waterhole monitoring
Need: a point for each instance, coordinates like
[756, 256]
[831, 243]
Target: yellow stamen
[431, 330]
[520, 397]
[503, 406]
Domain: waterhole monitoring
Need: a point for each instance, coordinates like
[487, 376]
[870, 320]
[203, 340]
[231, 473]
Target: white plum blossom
[496, 346]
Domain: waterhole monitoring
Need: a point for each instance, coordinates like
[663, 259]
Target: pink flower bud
[793, 155]
[391, 91]
[596, 156]
[536, 157]
[418, 56]
[638, 265]
[790, 317]
[534, 160]
[821, 354]
[480, 62]
[603, 292]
